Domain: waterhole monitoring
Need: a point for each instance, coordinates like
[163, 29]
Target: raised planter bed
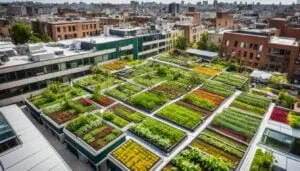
[232, 79]
[127, 113]
[161, 135]
[92, 137]
[206, 70]
[192, 158]
[124, 91]
[133, 156]
[102, 100]
[181, 116]
[171, 89]
[218, 88]
[147, 101]
[203, 99]
[237, 124]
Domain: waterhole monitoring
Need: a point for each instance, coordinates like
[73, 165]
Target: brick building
[263, 49]
[72, 28]
[224, 20]
[196, 17]
[288, 27]
[191, 32]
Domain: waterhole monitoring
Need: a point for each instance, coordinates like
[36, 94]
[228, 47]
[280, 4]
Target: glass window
[86, 61]
[63, 66]
[30, 72]
[21, 74]
[2, 78]
[98, 59]
[55, 68]
[11, 76]
[39, 70]
[277, 140]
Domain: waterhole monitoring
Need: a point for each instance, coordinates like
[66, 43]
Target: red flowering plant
[280, 115]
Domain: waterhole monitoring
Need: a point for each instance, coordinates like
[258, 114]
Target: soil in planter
[230, 133]
[215, 152]
[62, 117]
[105, 101]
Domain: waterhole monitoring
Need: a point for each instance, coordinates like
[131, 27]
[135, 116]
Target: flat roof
[63, 45]
[284, 41]
[34, 152]
[202, 53]
[261, 74]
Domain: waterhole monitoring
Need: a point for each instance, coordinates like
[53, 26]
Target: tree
[181, 43]
[214, 47]
[21, 33]
[203, 42]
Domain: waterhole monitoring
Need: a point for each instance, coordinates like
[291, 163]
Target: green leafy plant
[262, 161]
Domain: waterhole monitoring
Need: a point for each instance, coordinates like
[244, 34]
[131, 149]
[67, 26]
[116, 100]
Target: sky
[164, 1]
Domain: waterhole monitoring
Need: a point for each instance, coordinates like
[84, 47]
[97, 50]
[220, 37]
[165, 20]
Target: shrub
[294, 120]
[262, 161]
[286, 100]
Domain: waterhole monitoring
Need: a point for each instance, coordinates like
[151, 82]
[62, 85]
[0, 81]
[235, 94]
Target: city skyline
[158, 1]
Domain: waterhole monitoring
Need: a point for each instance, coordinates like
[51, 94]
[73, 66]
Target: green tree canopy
[203, 42]
[22, 33]
[181, 43]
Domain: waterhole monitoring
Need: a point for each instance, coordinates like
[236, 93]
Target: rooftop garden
[195, 159]
[114, 66]
[148, 100]
[217, 88]
[171, 89]
[203, 99]
[127, 113]
[55, 93]
[252, 103]
[102, 99]
[237, 124]
[113, 118]
[182, 116]
[138, 70]
[135, 157]
[182, 59]
[98, 81]
[124, 91]
[148, 79]
[262, 161]
[159, 134]
[93, 131]
[286, 100]
[68, 110]
[232, 79]
[206, 70]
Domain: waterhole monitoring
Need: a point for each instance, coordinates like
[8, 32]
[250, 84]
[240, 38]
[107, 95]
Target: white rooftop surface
[284, 41]
[34, 152]
[20, 60]
[261, 75]
[202, 52]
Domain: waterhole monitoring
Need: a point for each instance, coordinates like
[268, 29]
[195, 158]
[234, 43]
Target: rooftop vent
[42, 56]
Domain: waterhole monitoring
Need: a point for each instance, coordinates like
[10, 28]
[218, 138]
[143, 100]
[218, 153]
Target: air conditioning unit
[42, 56]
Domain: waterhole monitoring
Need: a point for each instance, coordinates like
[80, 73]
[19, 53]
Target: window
[236, 43]
[245, 54]
[94, 26]
[242, 45]
[227, 42]
[261, 48]
[58, 29]
[39, 70]
[82, 27]
[70, 28]
[86, 61]
[251, 56]
[64, 29]
[74, 29]
[8, 137]
[91, 26]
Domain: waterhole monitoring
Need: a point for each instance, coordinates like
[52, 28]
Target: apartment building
[263, 49]
[67, 29]
[27, 69]
[288, 27]
[191, 32]
[224, 20]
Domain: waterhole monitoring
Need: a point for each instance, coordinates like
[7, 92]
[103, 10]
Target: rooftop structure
[30, 150]
[205, 55]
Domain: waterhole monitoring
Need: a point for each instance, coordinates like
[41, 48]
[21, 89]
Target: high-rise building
[215, 2]
[173, 8]
[205, 3]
